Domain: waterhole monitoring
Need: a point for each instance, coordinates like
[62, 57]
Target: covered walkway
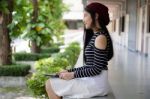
[130, 23]
[129, 70]
[129, 74]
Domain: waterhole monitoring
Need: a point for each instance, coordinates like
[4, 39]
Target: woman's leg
[50, 91]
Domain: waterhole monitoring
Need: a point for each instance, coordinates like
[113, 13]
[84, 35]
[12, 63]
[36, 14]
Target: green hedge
[72, 53]
[50, 65]
[54, 44]
[45, 53]
[30, 56]
[14, 70]
[54, 49]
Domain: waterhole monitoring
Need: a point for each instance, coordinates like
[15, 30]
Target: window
[123, 23]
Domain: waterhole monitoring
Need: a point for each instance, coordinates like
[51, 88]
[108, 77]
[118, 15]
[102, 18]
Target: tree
[6, 8]
[46, 22]
[37, 20]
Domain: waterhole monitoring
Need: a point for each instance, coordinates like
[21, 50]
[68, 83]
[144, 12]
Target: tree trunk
[5, 48]
[34, 47]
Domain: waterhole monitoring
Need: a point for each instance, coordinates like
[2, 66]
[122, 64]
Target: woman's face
[87, 20]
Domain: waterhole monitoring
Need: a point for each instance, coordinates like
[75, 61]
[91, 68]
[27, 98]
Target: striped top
[96, 59]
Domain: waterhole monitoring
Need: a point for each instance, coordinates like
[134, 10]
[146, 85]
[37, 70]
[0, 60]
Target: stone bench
[80, 63]
[109, 96]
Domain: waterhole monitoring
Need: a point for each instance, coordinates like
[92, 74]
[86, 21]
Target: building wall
[143, 34]
[135, 36]
[149, 27]
[132, 11]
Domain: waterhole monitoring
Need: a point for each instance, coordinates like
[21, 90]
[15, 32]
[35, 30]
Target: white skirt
[86, 87]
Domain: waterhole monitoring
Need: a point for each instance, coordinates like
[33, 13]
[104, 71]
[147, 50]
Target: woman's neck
[97, 28]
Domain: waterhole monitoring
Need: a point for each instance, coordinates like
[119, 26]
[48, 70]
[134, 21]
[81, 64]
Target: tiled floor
[129, 74]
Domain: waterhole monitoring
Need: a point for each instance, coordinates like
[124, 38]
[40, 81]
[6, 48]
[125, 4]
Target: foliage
[51, 65]
[54, 49]
[3, 6]
[71, 53]
[46, 52]
[14, 70]
[48, 24]
[21, 15]
[30, 56]
[45, 66]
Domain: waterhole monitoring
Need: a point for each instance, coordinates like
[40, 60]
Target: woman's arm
[100, 60]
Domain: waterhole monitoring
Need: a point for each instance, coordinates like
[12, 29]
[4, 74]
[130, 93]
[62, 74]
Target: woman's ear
[96, 16]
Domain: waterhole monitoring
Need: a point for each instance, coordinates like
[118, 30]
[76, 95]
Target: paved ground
[129, 74]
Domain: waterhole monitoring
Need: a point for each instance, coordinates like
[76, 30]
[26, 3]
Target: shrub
[52, 65]
[29, 56]
[14, 70]
[45, 53]
[72, 52]
[51, 44]
[54, 49]
[37, 85]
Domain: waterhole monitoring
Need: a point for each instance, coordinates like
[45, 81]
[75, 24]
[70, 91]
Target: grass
[17, 90]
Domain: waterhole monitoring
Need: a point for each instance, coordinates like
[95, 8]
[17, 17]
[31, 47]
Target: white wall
[149, 47]
[142, 41]
[121, 38]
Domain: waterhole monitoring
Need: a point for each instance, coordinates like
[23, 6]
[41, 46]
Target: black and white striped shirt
[96, 59]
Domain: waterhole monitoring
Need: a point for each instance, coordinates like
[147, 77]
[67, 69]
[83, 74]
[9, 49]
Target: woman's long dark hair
[88, 33]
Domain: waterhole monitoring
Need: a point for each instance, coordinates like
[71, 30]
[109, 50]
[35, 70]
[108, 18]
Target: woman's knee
[47, 85]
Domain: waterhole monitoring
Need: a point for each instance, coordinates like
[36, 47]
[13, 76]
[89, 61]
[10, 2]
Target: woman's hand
[63, 71]
[66, 75]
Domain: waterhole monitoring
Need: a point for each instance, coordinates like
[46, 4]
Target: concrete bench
[109, 96]
[80, 63]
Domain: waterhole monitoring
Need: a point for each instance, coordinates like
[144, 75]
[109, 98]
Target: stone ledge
[8, 81]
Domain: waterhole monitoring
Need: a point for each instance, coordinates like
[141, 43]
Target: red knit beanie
[102, 11]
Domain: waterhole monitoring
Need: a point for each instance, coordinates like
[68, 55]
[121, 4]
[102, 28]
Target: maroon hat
[102, 11]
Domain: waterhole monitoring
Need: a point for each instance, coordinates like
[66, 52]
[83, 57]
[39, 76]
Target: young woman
[91, 79]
